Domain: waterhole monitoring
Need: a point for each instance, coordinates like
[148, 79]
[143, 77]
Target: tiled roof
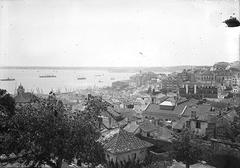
[128, 113]
[125, 141]
[207, 72]
[107, 134]
[230, 115]
[180, 123]
[235, 66]
[131, 127]
[168, 103]
[164, 133]
[202, 109]
[226, 118]
[181, 100]
[114, 114]
[155, 111]
[147, 126]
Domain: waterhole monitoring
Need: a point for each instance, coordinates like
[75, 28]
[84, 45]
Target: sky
[117, 33]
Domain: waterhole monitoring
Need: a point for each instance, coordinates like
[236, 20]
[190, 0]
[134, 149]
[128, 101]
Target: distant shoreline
[110, 69]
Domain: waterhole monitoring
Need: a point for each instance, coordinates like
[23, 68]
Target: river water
[65, 80]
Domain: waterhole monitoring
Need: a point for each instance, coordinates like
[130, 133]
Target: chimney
[195, 89]
[186, 88]
[153, 99]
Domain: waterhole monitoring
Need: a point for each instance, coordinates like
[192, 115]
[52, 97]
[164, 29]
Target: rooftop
[114, 114]
[125, 141]
[131, 127]
[127, 113]
[154, 110]
[24, 97]
[147, 126]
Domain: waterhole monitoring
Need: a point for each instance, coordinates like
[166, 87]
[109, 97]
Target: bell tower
[20, 89]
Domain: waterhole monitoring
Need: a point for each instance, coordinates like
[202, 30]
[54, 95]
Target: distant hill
[111, 69]
[153, 69]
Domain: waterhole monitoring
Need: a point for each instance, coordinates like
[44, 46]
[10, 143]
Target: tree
[93, 108]
[7, 102]
[7, 111]
[220, 105]
[235, 126]
[45, 133]
[185, 149]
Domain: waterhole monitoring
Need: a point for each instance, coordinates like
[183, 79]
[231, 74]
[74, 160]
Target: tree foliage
[44, 132]
[7, 110]
[235, 127]
[7, 102]
[93, 107]
[185, 149]
[220, 105]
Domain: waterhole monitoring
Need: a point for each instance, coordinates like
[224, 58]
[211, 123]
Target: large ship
[98, 75]
[81, 78]
[47, 76]
[7, 79]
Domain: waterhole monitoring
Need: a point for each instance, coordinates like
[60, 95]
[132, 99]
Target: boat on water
[98, 75]
[47, 76]
[7, 79]
[81, 78]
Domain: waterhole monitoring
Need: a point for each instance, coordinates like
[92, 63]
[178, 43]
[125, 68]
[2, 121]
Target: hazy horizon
[117, 33]
[29, 66]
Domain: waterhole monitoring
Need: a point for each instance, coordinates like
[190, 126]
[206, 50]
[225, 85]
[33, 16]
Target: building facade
[125, 146]
[198, 90]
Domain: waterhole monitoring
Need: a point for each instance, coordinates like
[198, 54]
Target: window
[198, 124]
[134, 155]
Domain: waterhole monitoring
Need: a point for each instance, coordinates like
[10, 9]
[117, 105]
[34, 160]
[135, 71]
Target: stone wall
[225, 147]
